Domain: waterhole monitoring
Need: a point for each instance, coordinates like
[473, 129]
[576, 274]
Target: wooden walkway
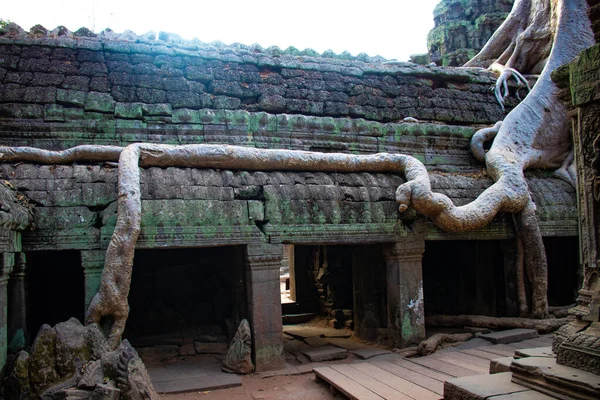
[394, 377]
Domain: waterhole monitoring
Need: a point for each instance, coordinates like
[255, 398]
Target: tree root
[429, 346]
[481, 321]
[533, 135]
[111, 299]
[481, 137]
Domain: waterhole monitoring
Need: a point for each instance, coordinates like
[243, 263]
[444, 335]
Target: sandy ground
[296, 387]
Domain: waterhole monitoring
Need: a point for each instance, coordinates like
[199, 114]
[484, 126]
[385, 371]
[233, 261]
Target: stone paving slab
[325, 353]
[200, 384]
[510, 336]
[481, 387]
[368, 352]
[472, 344]
[316, 341]
[302, 332]
[347, 344]
[526, 395]
[535, 352]
[198, 374]
[210, 348]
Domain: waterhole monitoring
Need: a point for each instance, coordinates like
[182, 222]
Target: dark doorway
[464, 277]
[56, 288]
[564, 278]
[193, 292]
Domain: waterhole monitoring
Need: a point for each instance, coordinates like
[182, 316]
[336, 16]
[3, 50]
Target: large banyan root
[482, 321]
[432, 343]
[111, 299]
[538, 35]
[533, 135]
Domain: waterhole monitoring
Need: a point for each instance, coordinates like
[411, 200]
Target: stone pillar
[17, 313]
[289, 249]
[92, 262]
[7, 262]
[405, 302]
[263, 262]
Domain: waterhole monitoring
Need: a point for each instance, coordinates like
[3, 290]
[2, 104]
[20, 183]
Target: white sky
[393, 29]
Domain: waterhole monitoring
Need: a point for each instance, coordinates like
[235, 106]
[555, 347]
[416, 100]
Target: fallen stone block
[325, 353]
[480, 387]
[501, 364]
[510, 336]
[368, 352]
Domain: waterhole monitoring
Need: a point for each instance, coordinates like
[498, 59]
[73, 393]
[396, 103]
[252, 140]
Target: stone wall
[76, 206]
[58, 91]
[462, 27]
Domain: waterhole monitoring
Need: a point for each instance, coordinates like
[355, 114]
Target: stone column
[405, 302]
[263, 262]
[7, 262]
[92, 262]
[17, 314]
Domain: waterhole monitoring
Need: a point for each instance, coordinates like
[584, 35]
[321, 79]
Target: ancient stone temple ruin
[462, 28]
[213, 235]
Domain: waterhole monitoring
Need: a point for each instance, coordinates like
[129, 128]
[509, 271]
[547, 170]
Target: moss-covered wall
[59, 91]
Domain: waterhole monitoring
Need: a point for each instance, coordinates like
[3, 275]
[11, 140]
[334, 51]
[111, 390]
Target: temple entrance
[55, 287]
[479, 277]
[564, 274]
[342, 285]
[465, 277]
[190, 298]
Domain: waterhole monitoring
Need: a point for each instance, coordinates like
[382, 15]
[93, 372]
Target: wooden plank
[347, 386]
[437, 375]
[448, 368]
[481, 354]
[469, 358]
[500, 349]
[368, 382]
[477, 369]
[410, 389]
[423, 381]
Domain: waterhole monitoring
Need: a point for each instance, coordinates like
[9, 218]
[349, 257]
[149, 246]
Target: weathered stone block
[207, 193]
[21, 110]
[98, 194]
[80, 83]
[53, 218]
[42, 370]
[54, 112]
[185, 116]
[101, 102]
[481, 387]
[510, 336]
[40, 94]
[71, 97]
[164, 109]
[128, 110]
